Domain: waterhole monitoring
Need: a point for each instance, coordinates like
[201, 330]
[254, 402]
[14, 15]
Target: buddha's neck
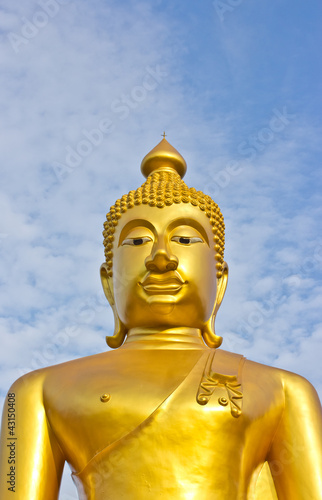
[172, 338]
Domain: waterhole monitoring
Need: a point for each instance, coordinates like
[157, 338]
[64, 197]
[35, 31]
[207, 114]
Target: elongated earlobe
[118, 337]
[209, 335]
[120, 332]
[211, 339]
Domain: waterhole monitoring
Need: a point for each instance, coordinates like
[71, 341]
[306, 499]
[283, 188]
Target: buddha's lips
[162, 284]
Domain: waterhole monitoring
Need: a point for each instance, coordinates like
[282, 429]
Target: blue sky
[87, 88]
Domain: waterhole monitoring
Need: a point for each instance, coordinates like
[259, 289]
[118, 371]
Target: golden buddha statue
[166, 414]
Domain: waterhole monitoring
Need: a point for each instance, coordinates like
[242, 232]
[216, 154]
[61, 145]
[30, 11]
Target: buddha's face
[164, 272]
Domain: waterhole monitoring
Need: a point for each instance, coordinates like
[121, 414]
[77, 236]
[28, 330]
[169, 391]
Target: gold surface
[166, 415]
[163, 156]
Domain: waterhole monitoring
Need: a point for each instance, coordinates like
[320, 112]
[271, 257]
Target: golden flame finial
[163, 157]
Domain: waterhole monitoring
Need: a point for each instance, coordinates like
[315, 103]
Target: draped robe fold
[148, 461]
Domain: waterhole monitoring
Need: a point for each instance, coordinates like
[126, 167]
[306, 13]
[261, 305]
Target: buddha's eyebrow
[132, 224]
[186, 221]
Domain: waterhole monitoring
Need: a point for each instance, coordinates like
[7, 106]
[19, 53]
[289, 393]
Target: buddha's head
[164, 248]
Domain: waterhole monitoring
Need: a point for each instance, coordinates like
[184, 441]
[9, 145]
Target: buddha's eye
[136, 241]
[186, 240]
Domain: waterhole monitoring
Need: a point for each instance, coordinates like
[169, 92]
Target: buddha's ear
[117, 339]
[209, 335]
[221, 286]
[107, 284]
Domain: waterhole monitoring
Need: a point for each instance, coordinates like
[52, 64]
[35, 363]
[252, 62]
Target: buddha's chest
[159, 411]
[171, 444]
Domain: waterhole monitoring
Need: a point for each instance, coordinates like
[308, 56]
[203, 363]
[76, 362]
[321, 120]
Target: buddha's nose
[161, 260]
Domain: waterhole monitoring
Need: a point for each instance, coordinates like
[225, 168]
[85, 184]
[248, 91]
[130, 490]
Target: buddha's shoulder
[270, 376]
[56, 374]
[254, 374]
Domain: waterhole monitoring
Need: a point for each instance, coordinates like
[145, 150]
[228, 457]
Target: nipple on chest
[105, 398]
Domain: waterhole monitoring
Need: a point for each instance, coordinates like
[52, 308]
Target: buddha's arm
[31, 459]
[296, 454]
